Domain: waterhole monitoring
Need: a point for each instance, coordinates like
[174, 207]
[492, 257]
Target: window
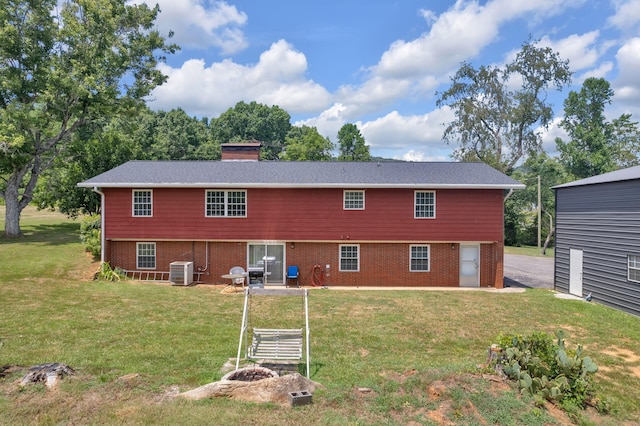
[142, 202]
[634, 268]
[419, 259]
[354, 200]
[146, 258]
[226, 204]
[349, 258]
[425, 204]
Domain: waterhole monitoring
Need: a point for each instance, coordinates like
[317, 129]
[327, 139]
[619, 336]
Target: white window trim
[340, 258]
[344, 199]
[155, 255]
[428, 246]
[415, 205]
[133, 202]
[629, 268]
[226, 202]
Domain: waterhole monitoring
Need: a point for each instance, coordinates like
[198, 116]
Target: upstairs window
[633, 272]
[226, 203]
[142, 202]
[353, 200]
[425, 205]
[419, 259]
[349, 258]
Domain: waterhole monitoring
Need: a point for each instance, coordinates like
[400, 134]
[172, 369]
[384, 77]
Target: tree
[306, 144]
[596, 146]
[92, 150]
[253, 121]
[521, 221]
[495, 124]
[63, 66]
[352, 144]
[174, 135]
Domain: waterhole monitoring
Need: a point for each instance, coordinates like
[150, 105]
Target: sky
[380, 64]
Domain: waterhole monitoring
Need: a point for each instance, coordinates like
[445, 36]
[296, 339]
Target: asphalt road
[528, 271]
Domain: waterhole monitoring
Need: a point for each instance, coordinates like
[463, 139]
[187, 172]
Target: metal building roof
[630, 173]
[292, 174]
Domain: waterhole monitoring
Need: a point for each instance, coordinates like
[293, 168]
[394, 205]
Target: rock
[50, 374]
[275, 389]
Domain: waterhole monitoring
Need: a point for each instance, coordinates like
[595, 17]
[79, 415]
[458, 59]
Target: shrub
[547, 370]
[90, 234]
[107, 273]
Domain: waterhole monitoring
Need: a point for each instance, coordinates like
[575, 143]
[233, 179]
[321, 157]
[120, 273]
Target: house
[598, 239]
[341, 223]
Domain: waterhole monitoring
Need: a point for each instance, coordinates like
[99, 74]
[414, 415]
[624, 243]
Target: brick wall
[381, 264]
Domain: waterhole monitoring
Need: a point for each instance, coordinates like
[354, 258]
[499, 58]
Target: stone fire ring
[250, 374]
[267, 386]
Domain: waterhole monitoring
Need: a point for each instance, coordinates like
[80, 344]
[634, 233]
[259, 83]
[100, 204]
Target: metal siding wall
[603, 221]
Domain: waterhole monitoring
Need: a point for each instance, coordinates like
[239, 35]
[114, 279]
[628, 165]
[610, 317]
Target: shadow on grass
[48, 234]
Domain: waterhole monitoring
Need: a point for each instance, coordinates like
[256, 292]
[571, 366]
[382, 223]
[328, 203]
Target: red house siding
[309, 215]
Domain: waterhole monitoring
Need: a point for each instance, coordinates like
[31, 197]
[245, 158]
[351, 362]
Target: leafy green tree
[596, 146]
[174, 135]
[352, 144]
[494, 123]
[521, 221]
[89, 153]
[306, 144]
[64, 65]
[253, 121]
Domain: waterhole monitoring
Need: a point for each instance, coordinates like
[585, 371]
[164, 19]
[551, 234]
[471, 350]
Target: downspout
[102, 239]
[506, 197]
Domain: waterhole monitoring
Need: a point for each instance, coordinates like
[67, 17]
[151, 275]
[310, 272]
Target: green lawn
[529, 251]
[132, 343]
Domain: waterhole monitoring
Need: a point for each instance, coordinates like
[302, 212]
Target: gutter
[102, 238]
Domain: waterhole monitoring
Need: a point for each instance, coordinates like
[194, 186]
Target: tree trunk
[14, 203]
[13, 209]
[548, 240]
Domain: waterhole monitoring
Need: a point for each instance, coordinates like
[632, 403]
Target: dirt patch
[630, 360]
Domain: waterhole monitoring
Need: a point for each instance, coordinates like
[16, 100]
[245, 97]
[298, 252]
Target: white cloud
[457, 35]
[627, 17]
[198, 24]
[277, 79]
[413, 136]
[582, 50]
[627, 85]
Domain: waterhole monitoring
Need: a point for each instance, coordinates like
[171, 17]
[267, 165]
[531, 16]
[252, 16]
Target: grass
[417, 351]
[529, 251]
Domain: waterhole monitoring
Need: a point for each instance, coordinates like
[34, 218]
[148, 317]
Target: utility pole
[539, 214]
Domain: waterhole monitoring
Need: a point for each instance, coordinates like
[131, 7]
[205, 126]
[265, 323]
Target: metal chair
[292, 275]
[238, 270]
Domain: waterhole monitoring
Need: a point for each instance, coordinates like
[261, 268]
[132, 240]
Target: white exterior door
[469, 266]
[575, 272]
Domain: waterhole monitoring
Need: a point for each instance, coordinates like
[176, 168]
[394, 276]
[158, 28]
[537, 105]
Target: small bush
[548, 371]
[107, 273]
[90, 235]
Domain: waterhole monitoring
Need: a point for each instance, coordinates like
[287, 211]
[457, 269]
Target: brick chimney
[248, 151]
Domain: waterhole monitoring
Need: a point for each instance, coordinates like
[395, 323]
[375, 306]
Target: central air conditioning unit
[181, 273]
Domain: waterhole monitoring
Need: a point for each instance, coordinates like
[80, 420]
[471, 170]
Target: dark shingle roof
[630, 173]
[291, 174]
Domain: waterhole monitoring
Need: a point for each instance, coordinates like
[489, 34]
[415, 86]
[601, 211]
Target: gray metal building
[598, 239]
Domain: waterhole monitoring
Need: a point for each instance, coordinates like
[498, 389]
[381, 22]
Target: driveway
[528, 271]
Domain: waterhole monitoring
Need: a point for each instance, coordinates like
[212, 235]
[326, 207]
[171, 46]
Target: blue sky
[379, 64]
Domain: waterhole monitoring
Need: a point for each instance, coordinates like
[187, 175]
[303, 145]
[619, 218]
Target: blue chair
[293, 274]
